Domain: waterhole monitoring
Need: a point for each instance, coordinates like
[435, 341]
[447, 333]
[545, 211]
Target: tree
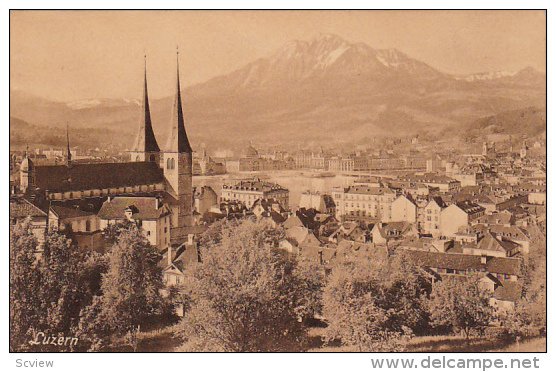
[518, 322]
[460, 304]
[130, 291]
[407, 287]
[48, 293]
[246, 295]
[113, 231]
[372, 303]
[24, 285]
[534, 284]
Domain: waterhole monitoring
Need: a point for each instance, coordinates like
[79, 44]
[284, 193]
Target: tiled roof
[469, 207]
[361, 189]
[490, 243]
[91, 176]
[508, 291]
[511, 232]
[22, 208]
[143, 208]
[68, 212]
[439, 201]
[427, 178]
[496, 218]
[496, 265]
[255, 185]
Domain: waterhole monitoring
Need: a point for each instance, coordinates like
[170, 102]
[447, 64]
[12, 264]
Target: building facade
[152, 170]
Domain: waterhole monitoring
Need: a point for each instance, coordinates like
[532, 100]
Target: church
[76, 190]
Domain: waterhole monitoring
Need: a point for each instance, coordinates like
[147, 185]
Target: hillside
[527, 122]
[23, 134]
[325, 89]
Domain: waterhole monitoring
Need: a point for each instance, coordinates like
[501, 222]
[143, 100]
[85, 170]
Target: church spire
[68, 157]
[145, 140]
[178, 141]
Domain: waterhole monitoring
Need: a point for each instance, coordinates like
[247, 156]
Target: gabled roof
[393, 229]
[293, 221]
[464, 262]
[368, 190]
[470, 207]
[142, 208]
[22, 208]
[490, 243]
[439, 201]
[511, 232]
[508, 291]
[92, 176]
[500, 218]
[63, 212]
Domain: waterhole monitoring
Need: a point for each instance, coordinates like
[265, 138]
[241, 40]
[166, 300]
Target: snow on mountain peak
[83, 104]
[489, 75]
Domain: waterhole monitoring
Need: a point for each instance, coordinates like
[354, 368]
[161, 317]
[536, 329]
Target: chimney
[169, 254]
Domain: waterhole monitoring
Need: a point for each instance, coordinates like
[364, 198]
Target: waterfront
[296, 181]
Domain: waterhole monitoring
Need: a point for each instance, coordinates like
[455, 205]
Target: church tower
[68, 150]
[177, 166]
[26, 173]
[145, 147]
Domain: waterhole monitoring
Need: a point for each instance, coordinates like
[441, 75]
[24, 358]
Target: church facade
[164, 173]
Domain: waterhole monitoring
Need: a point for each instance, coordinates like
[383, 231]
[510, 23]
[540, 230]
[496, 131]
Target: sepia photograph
[350, 181]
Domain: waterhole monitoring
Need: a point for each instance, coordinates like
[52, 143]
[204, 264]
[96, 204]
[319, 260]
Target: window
[152, 158]
[87, 225]
[170, 163]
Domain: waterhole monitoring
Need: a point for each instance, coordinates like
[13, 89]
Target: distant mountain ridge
[323, 89]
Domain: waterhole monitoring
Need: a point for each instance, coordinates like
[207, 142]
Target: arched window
[137, 158]
[87, 225]
[170, 163]
[152, 158]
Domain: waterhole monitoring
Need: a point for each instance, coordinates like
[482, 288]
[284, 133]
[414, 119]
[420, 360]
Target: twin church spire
[177, 140]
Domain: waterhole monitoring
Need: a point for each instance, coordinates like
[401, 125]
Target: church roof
[145, 140]
[93, 176]
[142, 208]
[178, 141]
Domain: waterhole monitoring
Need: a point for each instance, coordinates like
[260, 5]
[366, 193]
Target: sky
[76, 55]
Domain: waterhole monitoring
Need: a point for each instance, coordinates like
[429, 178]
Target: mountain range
[323, 89]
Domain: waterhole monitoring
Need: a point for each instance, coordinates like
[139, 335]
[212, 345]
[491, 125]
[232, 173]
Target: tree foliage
[24, 286]
[375, 303]
[48, 293]
[130, 291]
[460, 304]
[246, 295]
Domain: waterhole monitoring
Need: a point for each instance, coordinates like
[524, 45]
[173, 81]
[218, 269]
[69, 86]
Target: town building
[248, 191]
[153, 216]
[362, 201]
[151, 170]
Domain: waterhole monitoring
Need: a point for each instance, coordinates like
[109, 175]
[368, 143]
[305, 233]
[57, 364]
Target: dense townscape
[427, 243]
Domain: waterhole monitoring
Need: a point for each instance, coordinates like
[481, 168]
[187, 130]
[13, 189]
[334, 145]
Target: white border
[242, 362]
